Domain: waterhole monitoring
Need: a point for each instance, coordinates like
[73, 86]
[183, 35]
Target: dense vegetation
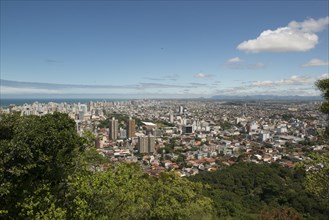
[246, 190]
[49, 172]
[36, 153]
[317, 180]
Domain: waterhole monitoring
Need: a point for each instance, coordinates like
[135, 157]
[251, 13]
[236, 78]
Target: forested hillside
[249, 191]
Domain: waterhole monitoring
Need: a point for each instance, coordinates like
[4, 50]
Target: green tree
[323, 86]
[174, 197]
[34, 151]
[41, 204]
[128, 193]
[119, 194]
[88, 139]
[317, 180]
[242, 190]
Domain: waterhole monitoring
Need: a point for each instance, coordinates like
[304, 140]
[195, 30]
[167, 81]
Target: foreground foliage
[317, 181]
[251, 191]
[36, 152]
[49, 172]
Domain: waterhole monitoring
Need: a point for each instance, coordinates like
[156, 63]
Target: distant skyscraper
[131, 128]
[151, 144]
[146, 144]
[244, 112]
[187, 129]
[83, 107]
[81, 115]
[156, 132]
[181, 110]
[123, 133]
[113, 129]
[142, 145]
[171, 117]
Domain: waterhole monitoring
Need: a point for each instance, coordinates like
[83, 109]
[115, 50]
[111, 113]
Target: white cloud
[256, 66]
[263, 83]
[310, 25]
[316, 62]
[269, 91]
[293, 80]
[324, 76]
[297, 36]
[237, 63]
[280, 40]
[160, 85]
[202, 75]
[17, 87]
[234, 60]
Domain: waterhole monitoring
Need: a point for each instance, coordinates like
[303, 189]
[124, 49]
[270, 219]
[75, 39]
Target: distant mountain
[268, 97]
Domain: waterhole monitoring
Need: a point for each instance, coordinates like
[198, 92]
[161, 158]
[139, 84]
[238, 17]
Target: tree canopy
[47, 173]
[323, 86]
[317, 180]
[34, 151]
[250, 191]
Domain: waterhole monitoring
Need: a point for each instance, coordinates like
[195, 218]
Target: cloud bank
[18, 87]
[294, 80]
[294, 85]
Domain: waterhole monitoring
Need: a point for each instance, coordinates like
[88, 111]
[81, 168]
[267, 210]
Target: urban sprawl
[192, 136]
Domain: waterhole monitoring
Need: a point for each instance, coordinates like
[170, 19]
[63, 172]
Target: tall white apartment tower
[113, 129]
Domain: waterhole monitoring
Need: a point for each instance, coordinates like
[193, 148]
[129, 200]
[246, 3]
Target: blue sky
[162, 49]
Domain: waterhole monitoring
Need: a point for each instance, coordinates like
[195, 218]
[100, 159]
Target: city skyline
[163, 49]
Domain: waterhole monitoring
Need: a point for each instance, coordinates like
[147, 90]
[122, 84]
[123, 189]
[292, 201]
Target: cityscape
[164, 110]
[192, 136]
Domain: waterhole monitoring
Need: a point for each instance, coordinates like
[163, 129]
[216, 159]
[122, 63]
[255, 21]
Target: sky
[162, 49]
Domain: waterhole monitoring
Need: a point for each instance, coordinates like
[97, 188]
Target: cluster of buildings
[192, 136]
[145, 143]
[114, 129]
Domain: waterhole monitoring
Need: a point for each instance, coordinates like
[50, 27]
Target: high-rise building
[151, 144]
[123, 133]
[187, 129]
[156, 132]
[181, 110]
[131, 128]
[113, 129]
[146, 144]
[171, 118]
[263, 136]
[142, 145]
[81, 115]
[83, 107]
